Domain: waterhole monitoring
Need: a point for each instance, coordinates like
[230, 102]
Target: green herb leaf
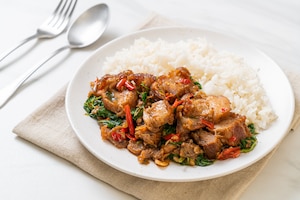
[196, 83]
[137, 113]
[248, 144]
[94, 107]
[168, 129]
[144, 96]
[111, 123]
[202, 161]
[91, 104]
[252, 130]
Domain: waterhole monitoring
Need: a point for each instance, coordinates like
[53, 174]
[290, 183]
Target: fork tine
[65, 16]
[57, 15]
[56, 12]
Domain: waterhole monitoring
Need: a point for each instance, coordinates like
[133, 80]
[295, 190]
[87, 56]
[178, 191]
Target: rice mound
[219, 72]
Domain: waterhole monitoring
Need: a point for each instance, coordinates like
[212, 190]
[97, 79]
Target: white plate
[273, 79]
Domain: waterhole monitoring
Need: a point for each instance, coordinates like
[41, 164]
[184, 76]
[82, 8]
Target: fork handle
[9, 51]
[7, 92]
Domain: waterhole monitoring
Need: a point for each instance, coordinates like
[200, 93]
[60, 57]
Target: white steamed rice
[220, 73]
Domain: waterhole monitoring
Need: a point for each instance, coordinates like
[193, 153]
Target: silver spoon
[87, 29]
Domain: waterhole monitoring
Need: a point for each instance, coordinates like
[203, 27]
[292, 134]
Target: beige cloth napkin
[48, 127]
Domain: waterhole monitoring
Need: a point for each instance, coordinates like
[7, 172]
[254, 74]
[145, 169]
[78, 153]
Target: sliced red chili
[129, 86]
[129, 119]
[120, 84]
[185, 81]
[224, 109]
[117, 136]
[130, 137]
[207, 123]
[177, 103]
[173, 136]
[169, 96]
[232, 139]
[124, 130]
[231, 152]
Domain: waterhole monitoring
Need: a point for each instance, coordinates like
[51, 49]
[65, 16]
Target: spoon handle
[7, 92]
[9, 51]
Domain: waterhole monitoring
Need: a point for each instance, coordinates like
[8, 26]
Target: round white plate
[273, 79]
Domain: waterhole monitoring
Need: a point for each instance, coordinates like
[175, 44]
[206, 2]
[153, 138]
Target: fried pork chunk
[173, 85]
[232, 129]
[200, 111]
[121, 89]
[157, 115]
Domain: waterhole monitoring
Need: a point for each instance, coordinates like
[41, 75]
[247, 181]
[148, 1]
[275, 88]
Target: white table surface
[29, 172]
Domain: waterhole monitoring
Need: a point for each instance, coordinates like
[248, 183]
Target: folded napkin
[49, 128]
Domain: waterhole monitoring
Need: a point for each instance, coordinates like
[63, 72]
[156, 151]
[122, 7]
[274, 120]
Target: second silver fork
[54, 25]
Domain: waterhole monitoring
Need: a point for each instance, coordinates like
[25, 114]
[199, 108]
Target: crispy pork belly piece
[220, 106]
[190, 150]
[107, 134]
[157, 115]
[148, 137]
[186, 124]
[115, 100]
[121, 89]
[210, 143]
[173, 85]
[211, 108]
[146, 155]
[232, 129]
[193, 111]
[142, 81]
[108, 82]
[135, 147]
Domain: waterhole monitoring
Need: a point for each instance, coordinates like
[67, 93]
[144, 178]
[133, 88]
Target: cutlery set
[85, 30]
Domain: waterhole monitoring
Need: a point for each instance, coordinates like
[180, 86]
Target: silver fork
[54, 25]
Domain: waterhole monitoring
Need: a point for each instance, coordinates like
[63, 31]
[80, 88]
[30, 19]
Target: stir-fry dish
[167, 118]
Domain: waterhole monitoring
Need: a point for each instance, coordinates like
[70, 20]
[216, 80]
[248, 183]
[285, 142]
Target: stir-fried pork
[193, 111]
[174, 85]
[211, 143]
[165, 118]
[189, 149]
[115, 101]
[158, 114]
[115, 136]
[232, 129]
[135, 147]
[148, 137]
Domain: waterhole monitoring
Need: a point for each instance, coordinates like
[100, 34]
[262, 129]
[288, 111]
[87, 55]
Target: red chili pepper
[224, 110]
[169, 96]
[232, 139]
[124, 130]
[117, 136]
[173, 136]
[129, 119]
[130, 137]
[231, 152]
[120, 84]
[177, 103]
[185, 81]
[129, 86]
[207, 123]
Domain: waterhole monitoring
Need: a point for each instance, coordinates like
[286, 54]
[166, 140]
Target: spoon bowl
[89, 26]
[86, 30]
